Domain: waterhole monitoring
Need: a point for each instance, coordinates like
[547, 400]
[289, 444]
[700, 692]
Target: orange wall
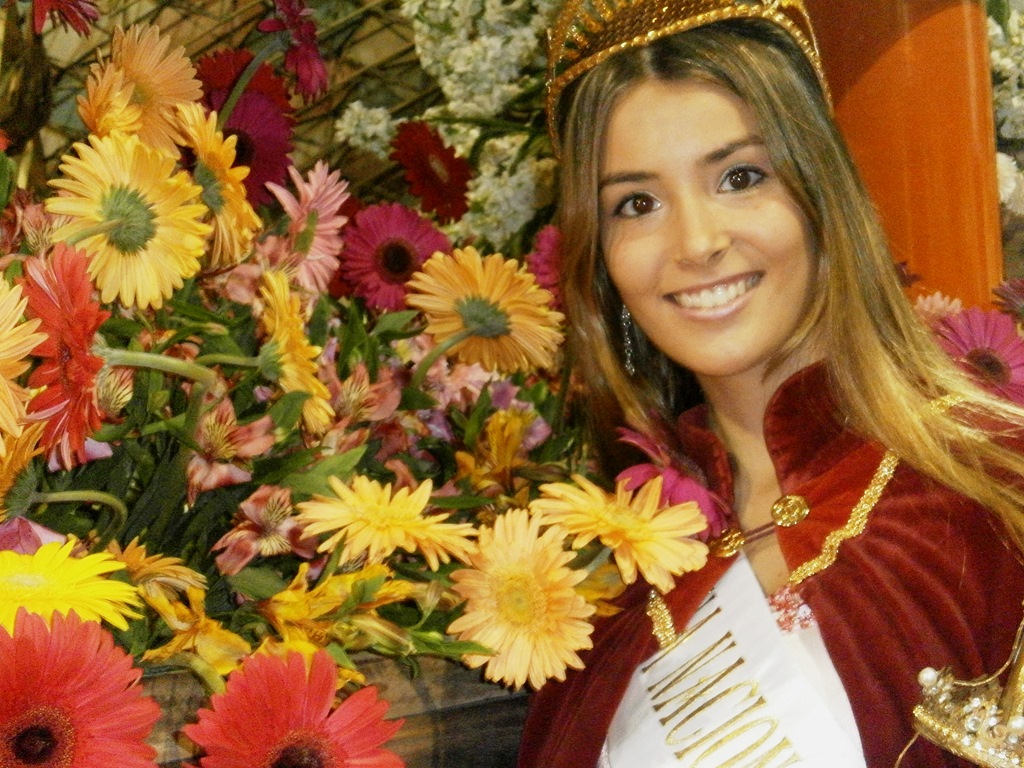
[911, 87]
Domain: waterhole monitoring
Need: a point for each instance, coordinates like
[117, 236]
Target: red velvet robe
[930, 582]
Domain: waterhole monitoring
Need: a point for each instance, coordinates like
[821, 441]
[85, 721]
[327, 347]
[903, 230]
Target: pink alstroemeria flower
[677, 486]
[264, 526]
[223, 444]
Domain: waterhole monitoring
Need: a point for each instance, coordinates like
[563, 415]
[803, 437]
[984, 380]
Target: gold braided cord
[664, 628]
[589, 31]
[854, 526]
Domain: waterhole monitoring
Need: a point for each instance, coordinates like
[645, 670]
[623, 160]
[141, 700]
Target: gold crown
[978, 720]
[587, 32]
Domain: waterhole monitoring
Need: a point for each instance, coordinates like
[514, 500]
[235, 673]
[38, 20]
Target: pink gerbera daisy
[987, 345]
[262, 118]
[384, 246]
[277, 713]
[71, 697]
[435, 174]
[315, 222]
[545, 261]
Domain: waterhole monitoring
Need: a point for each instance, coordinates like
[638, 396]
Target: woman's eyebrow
[716, 155]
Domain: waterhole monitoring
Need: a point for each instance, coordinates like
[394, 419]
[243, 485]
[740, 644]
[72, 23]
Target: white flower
[367, 128]
[1007, 175]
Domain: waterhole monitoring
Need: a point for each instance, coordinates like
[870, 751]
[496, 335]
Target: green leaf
[416, 400]
[287, 411]
[315, 480]
[395, 324]
[8, 180]
[999, 10]
[257, 583]
[460, 502]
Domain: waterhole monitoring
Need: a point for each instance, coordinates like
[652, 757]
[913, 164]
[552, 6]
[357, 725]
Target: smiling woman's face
[704, 243]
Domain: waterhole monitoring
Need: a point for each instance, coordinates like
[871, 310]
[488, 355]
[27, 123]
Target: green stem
[432, 356]
[97, 229]
[274, 45]
[208, 676]
[238, 361]
[131, 359]
[117, 520]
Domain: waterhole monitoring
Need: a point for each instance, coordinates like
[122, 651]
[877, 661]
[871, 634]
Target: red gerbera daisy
[261, 119]
[987, 345]
[79, 14]
[60, 294]
[275, 713]
[434, 172]
[384, 245]
[71, 697]
[303, 57]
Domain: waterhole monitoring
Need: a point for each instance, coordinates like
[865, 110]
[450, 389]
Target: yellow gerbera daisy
[16, 453]
[490, 310]
[640, 534]
[17, 339]
[107, 104]
[161, 79]
[521, 603]
[374, 523]
[139, 219]
[295, 356]
[234, 221]
[52, 580]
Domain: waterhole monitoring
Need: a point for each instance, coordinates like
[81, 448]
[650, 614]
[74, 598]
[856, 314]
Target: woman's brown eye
[739, 179]
[643, 204]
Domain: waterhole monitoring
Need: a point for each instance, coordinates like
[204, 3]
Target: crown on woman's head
[587, 32]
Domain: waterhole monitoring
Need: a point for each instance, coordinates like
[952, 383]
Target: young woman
[729, 290]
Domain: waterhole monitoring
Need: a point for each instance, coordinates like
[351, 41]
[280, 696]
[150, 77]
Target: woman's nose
[700, 235]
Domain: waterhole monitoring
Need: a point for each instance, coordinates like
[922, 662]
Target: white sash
[731, 692]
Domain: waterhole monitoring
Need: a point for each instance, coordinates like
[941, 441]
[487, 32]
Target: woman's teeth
[718, 296]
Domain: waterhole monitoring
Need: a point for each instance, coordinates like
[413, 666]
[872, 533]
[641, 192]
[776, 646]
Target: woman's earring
[628, 345]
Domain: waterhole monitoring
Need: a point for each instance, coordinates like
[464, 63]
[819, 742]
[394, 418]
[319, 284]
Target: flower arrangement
[263, 421]
[281, 381]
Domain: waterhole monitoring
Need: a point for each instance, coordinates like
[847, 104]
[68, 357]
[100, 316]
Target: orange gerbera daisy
[60, 295]
[279, 712]
[489, 310]
[521, 602]
[162, 78]
[71, 697]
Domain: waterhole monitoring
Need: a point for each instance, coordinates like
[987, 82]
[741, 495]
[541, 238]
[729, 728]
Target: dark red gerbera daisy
[78, 14]
[303, 57]
[384, 246]
[60, 294]
[435, 174]
[261, 119]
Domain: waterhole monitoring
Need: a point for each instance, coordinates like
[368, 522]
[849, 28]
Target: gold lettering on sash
[697, 686]
[682, 637]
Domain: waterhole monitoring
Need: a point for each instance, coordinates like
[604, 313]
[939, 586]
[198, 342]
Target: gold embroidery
[661, 618]
[854, 526]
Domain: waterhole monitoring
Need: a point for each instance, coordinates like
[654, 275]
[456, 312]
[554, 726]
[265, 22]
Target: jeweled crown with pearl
[979, 720]
[587, 32]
